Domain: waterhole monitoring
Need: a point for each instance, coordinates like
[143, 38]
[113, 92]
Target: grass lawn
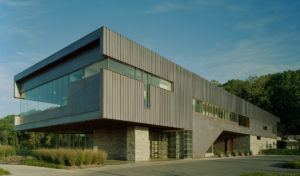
[294, 164]
[268, 174]
[4, 172]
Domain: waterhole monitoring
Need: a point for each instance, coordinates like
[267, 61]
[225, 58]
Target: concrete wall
[112, 141]
[256, 145]
[206, 131]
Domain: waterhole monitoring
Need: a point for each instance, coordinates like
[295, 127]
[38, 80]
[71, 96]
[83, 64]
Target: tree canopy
[277, 93]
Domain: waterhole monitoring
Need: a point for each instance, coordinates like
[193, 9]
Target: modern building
[135, 104]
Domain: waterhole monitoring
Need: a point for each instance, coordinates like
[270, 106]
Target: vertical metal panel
[208, 92]
[124, 100]
[186, 84]
[125, 50]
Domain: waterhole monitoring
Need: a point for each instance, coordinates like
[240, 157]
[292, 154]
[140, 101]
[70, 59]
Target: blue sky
[218, 40]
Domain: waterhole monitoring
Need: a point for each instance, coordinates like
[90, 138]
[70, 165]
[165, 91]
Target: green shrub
[99, 157]
[4, 172]
[88, 157]
[70, 157]
[6, 150]
[41, 163]
[80, 158]
[219, 153]
[24, 152]
[282, 152]
[295, 164]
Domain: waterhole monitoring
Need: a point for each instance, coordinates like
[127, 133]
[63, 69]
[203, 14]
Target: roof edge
[87, 39]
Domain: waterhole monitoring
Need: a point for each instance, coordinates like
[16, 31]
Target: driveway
[206, 167]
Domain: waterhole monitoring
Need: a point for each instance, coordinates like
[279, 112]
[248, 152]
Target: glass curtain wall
[55, 93]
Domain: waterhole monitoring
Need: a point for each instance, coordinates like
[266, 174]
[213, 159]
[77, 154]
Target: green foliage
[4, 172]
[219, 153]
[282, 152]
[24, 152]
[295, 164]
[268, 174]
[70, 157]
[6, 150]
[41, 163]
[277, 93]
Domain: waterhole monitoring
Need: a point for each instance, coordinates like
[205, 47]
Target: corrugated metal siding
[127, 51]
[208, 92]
[123, 99]
[186, 84]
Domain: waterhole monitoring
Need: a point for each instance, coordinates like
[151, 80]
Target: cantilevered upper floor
[107, 76]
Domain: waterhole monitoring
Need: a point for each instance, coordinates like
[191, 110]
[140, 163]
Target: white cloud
[249, 57]
[257, 24]
[15, 3]
[14, 30]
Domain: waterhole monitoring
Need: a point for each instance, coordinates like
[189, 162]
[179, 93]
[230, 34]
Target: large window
[55, 93]
[47, 96]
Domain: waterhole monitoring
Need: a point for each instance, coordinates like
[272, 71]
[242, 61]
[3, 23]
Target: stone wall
[257, 145]
[112, 141]
[138, 144]
[219, 146]
[241, 143]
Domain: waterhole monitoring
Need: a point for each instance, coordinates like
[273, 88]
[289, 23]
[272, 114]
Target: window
[243, 121]
[265, 128]
[197, 106]
[75, 76]
[258, 138]
[146, 90]
[153, 80]
[94, 68]
[121, 68]
[47, 96]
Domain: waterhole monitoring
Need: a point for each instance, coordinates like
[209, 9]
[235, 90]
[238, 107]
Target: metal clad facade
[123, 99]
[208, 92]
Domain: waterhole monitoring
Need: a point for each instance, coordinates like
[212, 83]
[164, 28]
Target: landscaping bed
[53, 158]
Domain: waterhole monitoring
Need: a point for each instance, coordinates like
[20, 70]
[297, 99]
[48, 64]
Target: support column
[138, 144]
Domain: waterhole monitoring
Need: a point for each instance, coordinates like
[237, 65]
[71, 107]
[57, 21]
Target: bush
[88, 157]
[282, 152]
[6, 150]
[295, 164]
[4, 172]
[24, 152]
[70, 157]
